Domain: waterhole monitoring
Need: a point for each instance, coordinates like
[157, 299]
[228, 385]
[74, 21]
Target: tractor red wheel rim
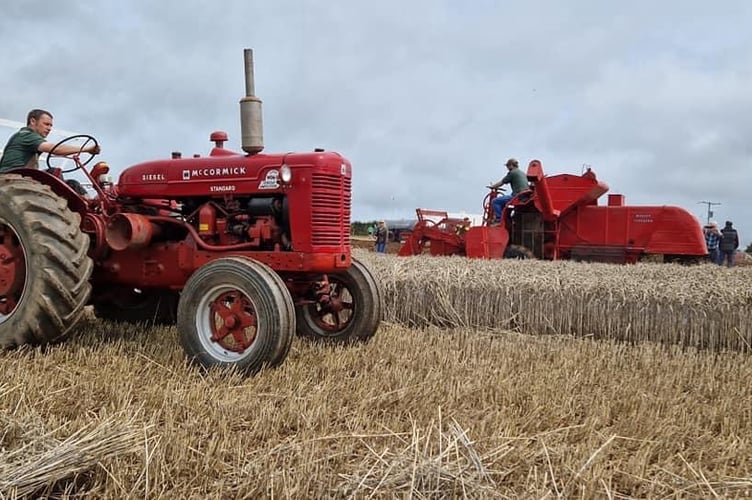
[233, 321]
[337, 312]
[12, 270]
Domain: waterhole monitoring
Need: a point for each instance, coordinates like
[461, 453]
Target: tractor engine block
[258, 222]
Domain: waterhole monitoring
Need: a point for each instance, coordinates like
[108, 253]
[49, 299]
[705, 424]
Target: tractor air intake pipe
[126, 230]
[251, 126]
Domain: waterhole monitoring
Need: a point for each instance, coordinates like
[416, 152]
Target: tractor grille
[330, 210]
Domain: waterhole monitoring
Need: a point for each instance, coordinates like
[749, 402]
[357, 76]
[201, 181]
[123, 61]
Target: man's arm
[497, 185]
[67, 149]
[505, 180]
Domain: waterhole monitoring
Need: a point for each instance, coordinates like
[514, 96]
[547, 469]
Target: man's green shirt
[517, 179]
[21, 148]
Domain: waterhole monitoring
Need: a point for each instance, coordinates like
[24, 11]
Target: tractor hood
[218, 175]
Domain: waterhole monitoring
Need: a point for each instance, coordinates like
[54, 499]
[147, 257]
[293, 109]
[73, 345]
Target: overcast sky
[427, 98]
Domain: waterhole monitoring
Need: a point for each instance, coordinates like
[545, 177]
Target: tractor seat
[524, 196]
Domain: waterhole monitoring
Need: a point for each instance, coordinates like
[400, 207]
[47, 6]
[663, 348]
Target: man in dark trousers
[381, 237]
[729, 243]
[712, 240]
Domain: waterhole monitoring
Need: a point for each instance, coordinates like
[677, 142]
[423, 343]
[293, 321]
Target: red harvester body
[559, 217]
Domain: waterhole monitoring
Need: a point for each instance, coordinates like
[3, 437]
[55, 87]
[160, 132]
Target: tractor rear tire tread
[57, 265]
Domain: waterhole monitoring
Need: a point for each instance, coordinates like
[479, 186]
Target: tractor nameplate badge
[271, 181]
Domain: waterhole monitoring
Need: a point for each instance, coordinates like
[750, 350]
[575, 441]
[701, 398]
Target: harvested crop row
[700, 306]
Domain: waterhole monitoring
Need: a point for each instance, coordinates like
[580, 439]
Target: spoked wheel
[236, 312]
[12, 270]
[44, 266]
[351, 312]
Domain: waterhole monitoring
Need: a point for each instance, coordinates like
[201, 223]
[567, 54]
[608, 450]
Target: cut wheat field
[465, 392]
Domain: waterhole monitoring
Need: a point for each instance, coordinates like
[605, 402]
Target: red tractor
[240, 250]
[559, 217]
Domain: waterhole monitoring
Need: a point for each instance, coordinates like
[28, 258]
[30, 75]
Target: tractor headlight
[285, 173]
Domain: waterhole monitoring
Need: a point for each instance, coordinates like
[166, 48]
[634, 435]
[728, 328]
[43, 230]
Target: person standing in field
[712, 240]
[381, 236]
[729, 243]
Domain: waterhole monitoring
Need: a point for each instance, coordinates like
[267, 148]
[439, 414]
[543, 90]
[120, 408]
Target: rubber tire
[154, 308]
[518, 252]
[274, 311]
[367, 309]
[285, 341]
[57, 265]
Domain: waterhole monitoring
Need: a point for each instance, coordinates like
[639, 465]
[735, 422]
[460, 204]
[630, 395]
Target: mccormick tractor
[240, 251]
[559, 217]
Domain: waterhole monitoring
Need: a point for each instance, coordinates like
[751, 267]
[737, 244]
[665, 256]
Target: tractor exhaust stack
[251, 124]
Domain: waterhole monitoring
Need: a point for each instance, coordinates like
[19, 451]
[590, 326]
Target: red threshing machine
[240, 250]
[559, 217]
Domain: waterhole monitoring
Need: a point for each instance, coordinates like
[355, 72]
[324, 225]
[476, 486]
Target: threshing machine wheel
[236, 312]
[130, 305]
[351, 313]
[44, 266]
[518, 252]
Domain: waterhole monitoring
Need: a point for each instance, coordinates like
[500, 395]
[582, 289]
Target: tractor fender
[75, 202]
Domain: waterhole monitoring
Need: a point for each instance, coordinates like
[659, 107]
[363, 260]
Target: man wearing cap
[712, 239]
[517, 179]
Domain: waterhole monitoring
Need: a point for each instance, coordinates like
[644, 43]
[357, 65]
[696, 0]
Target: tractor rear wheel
[352, 313]
[235, 312]
[130, 305]
[44, 266]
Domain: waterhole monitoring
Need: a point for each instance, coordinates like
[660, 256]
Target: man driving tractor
[517, 179]
[23, 147]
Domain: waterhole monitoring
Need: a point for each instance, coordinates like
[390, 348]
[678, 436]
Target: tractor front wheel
[44, 266]
[235, 312]
[350, 313]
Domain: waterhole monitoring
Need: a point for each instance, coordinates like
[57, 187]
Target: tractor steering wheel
[487, 200]
[79, 163]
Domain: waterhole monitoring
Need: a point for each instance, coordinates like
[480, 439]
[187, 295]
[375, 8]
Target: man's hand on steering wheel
[90, 146]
